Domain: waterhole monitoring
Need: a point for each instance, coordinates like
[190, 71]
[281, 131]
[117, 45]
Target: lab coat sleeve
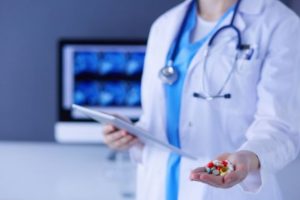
[274, 134]
[147, 88]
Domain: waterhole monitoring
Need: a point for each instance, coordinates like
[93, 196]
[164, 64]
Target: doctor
[221, 80]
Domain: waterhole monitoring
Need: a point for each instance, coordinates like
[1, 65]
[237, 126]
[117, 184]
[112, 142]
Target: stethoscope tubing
[169, 74]
[222, 29]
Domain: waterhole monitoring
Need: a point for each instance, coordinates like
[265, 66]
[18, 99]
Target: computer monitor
[99, 74]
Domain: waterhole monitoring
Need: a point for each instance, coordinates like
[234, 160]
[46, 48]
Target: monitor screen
[104, 75]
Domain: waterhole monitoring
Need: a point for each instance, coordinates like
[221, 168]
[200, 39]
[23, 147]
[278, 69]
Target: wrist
[252, 160]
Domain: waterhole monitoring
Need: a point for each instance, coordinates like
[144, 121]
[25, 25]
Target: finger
[216, 181]
[198, 170]
[203, 176]
[130, 143]
[122, 142]
[109, 129]
[113, 137]
[212, 179]
[125, 140]
[124, 133]
[236, 176]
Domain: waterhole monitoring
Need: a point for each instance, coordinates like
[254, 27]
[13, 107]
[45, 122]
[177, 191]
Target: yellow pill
[223, 169]
[223, 173]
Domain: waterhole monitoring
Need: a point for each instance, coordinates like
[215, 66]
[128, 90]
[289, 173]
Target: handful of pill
[219, 168]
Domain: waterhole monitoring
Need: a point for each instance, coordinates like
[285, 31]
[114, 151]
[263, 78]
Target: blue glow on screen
[108, 78]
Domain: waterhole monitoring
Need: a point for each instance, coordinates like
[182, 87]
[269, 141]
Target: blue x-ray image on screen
[85, 62]
[108, 63]
[112, 63]
[112, 93]
[135, 63]
[103, 75]
[108, 77]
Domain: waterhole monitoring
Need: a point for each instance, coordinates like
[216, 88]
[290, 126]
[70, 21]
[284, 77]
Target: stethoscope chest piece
[168, 75]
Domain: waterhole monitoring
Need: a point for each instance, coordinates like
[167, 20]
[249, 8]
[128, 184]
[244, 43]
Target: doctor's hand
[118, 139]
[243, 161]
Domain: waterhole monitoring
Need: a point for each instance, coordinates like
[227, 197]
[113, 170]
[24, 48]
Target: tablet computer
[106, 118]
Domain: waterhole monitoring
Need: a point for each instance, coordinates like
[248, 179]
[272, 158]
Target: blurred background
[32, 164]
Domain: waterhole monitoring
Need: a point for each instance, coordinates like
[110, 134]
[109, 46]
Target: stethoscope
[169, 74]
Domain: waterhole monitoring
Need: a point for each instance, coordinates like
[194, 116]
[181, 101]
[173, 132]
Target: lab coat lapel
[173, 27]
[170, 28]
[253, 7]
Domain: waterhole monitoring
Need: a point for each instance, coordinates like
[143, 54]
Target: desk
[49, 171]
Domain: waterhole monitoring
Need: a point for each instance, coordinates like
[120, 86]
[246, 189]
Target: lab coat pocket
[245, 67]
[216, 68]
[245, 79]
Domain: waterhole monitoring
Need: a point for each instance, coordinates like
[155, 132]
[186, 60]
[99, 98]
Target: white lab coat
[262, 116]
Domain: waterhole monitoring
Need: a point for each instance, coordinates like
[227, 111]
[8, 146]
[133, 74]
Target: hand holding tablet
[122, 124]
[118, 139]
